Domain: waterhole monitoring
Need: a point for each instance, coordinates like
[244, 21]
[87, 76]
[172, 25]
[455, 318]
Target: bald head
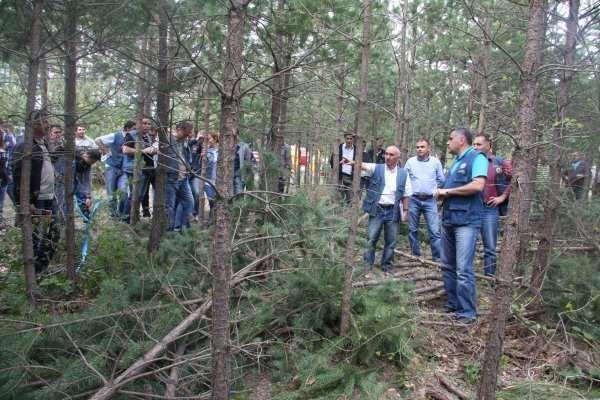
[392, 156]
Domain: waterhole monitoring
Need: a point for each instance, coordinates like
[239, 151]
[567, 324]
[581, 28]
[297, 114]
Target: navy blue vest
[462, 210]
[116, 154]
[502, 183]
[375, 189]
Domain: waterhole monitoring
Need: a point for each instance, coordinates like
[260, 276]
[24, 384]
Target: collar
[348, 148]
[464, 153]
[423, 159]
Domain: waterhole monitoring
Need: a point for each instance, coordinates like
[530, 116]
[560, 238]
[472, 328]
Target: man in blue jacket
[386, 202]
[461, 221]
[116, 168]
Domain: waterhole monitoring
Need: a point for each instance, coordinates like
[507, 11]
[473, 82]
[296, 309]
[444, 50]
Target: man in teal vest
[386, 202]
[461, 221]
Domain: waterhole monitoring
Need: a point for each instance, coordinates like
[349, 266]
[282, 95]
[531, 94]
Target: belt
[423, 196]
[385, 206]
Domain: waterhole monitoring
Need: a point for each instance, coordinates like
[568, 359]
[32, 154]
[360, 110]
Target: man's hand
[441, 194]
[88, 203]
[404, 216]
[496, 201]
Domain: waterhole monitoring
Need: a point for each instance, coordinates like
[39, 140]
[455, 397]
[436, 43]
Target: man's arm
[439, 174]
[476, 185]
[368, 169]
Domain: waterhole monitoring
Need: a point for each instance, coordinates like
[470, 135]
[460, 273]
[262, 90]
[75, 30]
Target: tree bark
[221, 265]
[159, 219]
[339, 122]
[24, 194]
[70, 29]
[279, 96]
[142, 104]
[552, 199]
[204, 155]
[44, 82]
[484, 64]
[401, 109]
[360, 130]
[521, 194]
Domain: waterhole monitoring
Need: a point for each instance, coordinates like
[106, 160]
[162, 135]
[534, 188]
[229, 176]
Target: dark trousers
[46, 233]
[148, 178]
[346, 189]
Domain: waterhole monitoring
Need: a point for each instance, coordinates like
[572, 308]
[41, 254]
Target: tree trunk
[24, 207]
[70, 29]
[360, 131]
[521, 194]
[281, 59]
[204, 155]
[400, 123]
[339, 122]
[159, 219]
[221, 266]
[44, 82]
[486, 45]
[552, 199]
[142, 102]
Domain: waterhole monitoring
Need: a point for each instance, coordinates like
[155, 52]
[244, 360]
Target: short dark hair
[185, 125]
[467, 133]
[52, 126]
[485, 136]
[39, 114]
[424, 139]
[129, 124]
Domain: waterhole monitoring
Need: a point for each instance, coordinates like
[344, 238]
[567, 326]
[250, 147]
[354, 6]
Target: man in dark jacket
[41, 191]
[346, 172]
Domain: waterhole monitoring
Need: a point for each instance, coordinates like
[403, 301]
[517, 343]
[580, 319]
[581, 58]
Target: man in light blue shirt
[461, 220]
[426, 175]
[116, 168]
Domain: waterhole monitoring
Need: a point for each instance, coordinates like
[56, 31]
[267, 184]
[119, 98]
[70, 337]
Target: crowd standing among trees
[224, 116]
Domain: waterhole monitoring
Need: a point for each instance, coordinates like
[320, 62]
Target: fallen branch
[407, 264]
[375, 282]
[451, 387]
[441, 266]
[430, 297]
[427, 289]
[174, 375]
[131, 373]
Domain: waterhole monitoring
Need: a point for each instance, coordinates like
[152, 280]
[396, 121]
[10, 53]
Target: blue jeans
[382, 220]
[429, 209]
[489, 236]
[196, 185]
[238, 185]
[178, 194]
[117, 190]
[2, 197]
[459, 279]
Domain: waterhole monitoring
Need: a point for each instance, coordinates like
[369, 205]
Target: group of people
[474, 193]
[181, 156]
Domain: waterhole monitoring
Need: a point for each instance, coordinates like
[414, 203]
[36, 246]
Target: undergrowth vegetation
[285, 314]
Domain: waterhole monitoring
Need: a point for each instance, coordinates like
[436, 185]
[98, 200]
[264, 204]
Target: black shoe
[465, 320]
[449, 310]
[146, 214]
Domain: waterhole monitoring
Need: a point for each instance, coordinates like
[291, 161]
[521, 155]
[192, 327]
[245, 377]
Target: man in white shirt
[346, 171]
[386, 202]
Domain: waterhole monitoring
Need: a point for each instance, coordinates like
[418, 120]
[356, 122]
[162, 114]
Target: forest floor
[541, 359]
